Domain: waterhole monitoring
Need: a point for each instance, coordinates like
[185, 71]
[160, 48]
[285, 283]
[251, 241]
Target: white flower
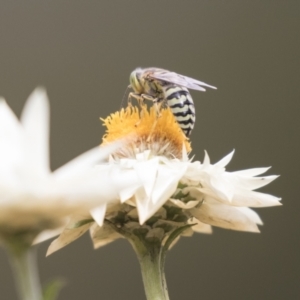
[32, 198]
[164, 190]
[207, 194]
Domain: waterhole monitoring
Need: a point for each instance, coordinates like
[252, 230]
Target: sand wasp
[168, 88]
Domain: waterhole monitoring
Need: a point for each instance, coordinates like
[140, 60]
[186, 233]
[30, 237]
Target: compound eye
[135, 82]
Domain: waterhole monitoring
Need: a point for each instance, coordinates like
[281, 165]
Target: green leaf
[52, 289]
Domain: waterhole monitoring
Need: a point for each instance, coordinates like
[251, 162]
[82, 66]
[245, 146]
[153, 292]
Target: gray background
[83, 52]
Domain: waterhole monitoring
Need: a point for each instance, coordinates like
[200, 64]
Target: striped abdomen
[182, 106]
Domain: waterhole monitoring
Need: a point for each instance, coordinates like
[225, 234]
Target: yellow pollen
[144, 125]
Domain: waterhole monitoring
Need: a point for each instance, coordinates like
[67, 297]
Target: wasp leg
[157, 102]
[137, 97]
[140, 99]
[147, 97]
[129, 102]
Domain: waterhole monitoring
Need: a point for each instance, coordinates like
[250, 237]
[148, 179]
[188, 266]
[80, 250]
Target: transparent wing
[178, 79]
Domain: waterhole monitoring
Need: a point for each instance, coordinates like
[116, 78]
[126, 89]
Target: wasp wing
[178, 79]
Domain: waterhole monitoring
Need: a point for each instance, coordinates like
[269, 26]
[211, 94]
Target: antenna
[124, 96]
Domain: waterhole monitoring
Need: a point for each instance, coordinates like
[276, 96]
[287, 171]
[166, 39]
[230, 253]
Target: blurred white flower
[32, 198]
[164, 190]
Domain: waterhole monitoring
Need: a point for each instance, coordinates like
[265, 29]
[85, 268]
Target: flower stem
[151, 259]
[26, 274]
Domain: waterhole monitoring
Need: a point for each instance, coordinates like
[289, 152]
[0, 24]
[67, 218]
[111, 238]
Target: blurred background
[83, 53]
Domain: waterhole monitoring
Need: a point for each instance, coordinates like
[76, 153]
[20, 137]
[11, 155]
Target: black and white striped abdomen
[182, 106]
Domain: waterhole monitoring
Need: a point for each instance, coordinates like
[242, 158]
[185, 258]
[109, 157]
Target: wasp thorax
[135, 81]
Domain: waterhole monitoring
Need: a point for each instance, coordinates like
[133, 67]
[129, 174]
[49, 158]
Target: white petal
[35, 120]
[194, 193]
[258, 182]
[98, 214]
[222, 188]
[11, 141]
[126, 193]
[215, 194]
[252, 172]
[188, 232]
[47, 235]
[183, 205]
[89, 189]
[225, 160]
[254, 199]
[125, 182]
[146, 171]
[142, 203]
[199, 226]
[224, 216]
[206, 160]
[69, 235]
[133, 214]
[184, 153]
[166, 182]
[143, 156]
[127, 163]
[249, 183]
[251, 214]
[165, 186]
[145, 206]
[102, 236]
[86, 160]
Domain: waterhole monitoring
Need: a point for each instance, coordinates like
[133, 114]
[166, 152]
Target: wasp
[168, 88]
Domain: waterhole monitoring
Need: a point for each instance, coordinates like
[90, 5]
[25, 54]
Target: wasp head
[136, 81]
